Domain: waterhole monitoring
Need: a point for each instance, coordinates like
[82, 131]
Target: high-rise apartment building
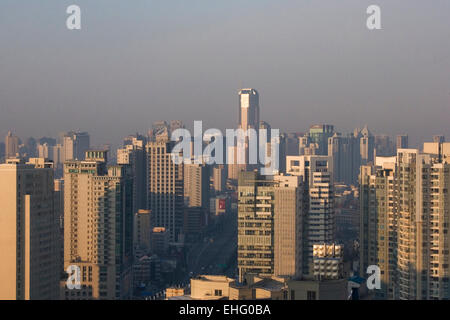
[378, 222]
[133, 154]
[317, 177]
[269, 225]
[288, 226]
[219, 178]
[165, 188]
[196, 185]
[98, 223]
[29, 239]
[405, 216]
[345, 158]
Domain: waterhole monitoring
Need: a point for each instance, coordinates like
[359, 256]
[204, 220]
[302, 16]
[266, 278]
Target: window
[218, 293]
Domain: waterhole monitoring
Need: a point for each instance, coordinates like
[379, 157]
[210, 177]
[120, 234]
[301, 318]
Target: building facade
[29, 233]
[98, 228]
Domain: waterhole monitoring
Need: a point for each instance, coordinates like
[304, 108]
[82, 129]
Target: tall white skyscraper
[248, 109]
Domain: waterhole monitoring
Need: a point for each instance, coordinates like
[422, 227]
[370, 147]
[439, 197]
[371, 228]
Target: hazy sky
[136, 62]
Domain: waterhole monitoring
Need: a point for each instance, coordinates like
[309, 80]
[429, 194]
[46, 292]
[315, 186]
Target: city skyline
[239, 150]
[311, 64]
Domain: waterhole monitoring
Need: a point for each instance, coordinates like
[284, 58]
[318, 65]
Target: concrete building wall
[29, 239]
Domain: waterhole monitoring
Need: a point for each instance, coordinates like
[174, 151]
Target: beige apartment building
[318, 199]
[405, 228]
[29, 238]
[98, 226]
[196, 185]
[378, 227]
[165, 188]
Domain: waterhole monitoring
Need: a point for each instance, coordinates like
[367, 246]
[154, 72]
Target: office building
[384, 146]
[12, 144]
[345, 158]
[319, 135]
[269, 225]
[248, 109]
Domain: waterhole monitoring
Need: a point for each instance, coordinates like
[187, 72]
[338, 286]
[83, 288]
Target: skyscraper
[319, 134]
[196, 185]
[405, 209]
[345, 158]
[378, 221]
[98, 223]
[367, 146]
[269, 225]
[318, 199]
[423, 228]
[75, 145]
[219, 175]
[165, 188]
[29, 234]
[133, 154]
[11, 145]
[248, 109]
[402, 142]
[384, 146]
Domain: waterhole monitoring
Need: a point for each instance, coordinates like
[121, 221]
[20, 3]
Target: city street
[216, 254]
